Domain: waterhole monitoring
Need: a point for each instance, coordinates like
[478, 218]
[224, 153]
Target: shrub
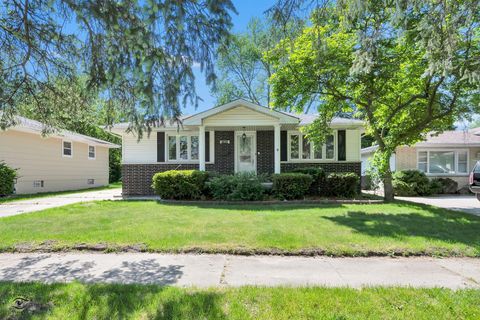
[180, 184]
[7, 178]
[318, 175]
[291, 185]
[443, 186]
[342, 185]
[411, 183]
[242, 186]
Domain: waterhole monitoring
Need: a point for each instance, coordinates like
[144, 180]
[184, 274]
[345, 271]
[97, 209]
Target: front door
[246, 150]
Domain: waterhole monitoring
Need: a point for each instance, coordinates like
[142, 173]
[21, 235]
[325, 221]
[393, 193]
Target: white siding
[139, 151]
[38, 158]
[353, 145]
[239, 116]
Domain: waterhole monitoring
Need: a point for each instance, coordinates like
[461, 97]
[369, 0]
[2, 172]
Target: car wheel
[478, 196]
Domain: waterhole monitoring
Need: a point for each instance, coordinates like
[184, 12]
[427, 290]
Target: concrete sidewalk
[37, 204]
[225, 270]
[465, 203]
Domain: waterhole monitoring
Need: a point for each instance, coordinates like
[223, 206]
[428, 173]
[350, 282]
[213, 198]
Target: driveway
[37, 204]
[464, 203]
[227, 270]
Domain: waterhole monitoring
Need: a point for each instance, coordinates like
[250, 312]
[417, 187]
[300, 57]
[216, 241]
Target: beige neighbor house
[451, 154]
[61, 161]
[239, 136]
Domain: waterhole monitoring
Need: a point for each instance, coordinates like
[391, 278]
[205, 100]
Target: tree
[140, 52]
[243, 69]
[406, 67]
[71, 106]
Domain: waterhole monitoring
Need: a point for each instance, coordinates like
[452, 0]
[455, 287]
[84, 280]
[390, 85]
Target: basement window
[38, 184]
[90, 181]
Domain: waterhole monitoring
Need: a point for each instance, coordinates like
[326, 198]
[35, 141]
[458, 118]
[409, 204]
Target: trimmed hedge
[444, 186]
[180, 184]
[342, 185]
[288, 186]
[408, 183]
[239, 187]
[7, 178]
[319, 178]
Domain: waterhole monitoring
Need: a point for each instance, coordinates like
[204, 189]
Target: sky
[246, 9]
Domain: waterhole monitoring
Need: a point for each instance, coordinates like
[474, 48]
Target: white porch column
[277, 148]
[201, 147]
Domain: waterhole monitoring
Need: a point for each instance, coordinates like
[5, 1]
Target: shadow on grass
[107, 301]
[441, 224]
[253, 206]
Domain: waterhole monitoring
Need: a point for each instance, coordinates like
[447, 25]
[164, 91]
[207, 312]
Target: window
[38, 184]
[91, 152]
[443, 162]
[172, 148]
[67, 149]
[90, 181]
[183, 147]
[302, 149]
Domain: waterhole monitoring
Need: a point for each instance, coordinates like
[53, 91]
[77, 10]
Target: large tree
[406, 67]
[140, 52]
[243, 69]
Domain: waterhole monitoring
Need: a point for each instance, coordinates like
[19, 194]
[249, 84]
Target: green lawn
[80, 301]
[113, 185]
[378, 229]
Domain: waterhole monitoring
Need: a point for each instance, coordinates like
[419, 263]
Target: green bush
[443, 186]
[180, 184]
[411, 183]
[239, 187]
[291, 185]
[319, 177]
[7, 179]
[342, 185]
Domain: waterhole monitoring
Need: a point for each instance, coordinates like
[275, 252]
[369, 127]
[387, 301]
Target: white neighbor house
[62, 161]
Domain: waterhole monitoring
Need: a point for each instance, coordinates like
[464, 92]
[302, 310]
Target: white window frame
[189, 135]
[312, 158]
[63, 149]
[455, 151]
[94, 152]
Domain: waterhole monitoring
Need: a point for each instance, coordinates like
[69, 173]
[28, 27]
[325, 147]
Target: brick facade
[137, 178]
[265, 152]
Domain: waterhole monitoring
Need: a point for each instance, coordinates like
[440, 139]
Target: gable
[240, 115]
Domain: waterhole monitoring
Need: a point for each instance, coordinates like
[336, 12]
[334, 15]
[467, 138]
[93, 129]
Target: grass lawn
[113, 185]
[369, 229]
[79, 301]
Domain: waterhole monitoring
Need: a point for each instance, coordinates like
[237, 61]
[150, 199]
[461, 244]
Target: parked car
[474, 180]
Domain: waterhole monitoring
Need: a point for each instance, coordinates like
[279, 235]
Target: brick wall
[224, 153]
[265, 152]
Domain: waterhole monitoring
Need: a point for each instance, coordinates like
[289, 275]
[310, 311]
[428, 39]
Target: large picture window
[182, 147]
[440, 162]
[301, 149]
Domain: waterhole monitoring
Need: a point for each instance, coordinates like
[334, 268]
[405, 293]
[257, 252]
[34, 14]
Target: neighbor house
[239, 136]
[56, 162]
[451, 154]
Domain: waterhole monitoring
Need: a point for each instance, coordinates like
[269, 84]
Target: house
[239, 136]
[61, 161]
[451, 154]
[367, 155]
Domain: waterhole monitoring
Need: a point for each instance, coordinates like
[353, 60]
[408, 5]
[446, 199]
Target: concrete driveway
[464, 203]
[37, 204]
[226, 270]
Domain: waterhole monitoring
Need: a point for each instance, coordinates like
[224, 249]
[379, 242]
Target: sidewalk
[226, 270]
[37, 204]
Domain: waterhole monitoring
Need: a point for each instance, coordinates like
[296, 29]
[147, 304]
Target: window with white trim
[91, 152]
[445, 162]
[182, 147]
[301, 149]
[38, 183]
[67, 148]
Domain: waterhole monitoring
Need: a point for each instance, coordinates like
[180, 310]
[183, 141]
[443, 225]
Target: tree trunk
[388, 186]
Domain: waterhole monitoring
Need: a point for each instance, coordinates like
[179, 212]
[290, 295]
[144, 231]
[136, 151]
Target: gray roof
[38, 128]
